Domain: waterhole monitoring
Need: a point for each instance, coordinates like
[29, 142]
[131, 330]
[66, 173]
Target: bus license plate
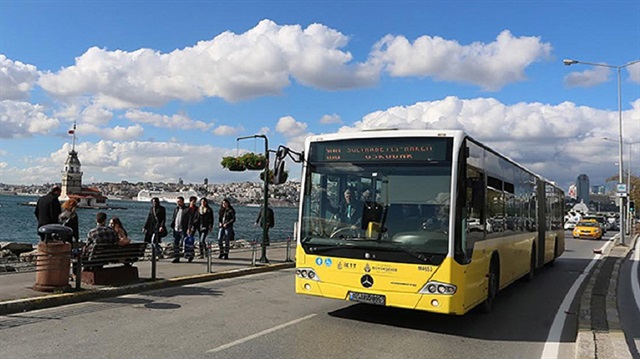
[367, 298]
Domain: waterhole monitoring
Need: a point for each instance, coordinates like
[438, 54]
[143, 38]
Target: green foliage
[253, 161]
[233, 163]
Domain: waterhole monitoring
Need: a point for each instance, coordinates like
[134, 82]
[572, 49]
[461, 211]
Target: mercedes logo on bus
[366, 281]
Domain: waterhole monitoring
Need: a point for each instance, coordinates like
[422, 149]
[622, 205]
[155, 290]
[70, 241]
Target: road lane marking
[256, 335]
[635, 286]
[552, 344]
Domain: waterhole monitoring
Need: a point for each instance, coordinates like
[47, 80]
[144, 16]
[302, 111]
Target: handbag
[162, 232]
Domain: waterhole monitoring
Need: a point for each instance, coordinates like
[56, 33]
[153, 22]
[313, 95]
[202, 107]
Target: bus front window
[400, 212]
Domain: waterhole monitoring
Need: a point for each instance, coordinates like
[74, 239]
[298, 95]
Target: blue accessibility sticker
[319, 261]
[328, 262]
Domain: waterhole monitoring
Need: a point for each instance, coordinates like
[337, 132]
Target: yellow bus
[420, 219]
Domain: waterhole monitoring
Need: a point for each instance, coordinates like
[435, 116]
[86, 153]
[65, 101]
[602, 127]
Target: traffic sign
[621, 188]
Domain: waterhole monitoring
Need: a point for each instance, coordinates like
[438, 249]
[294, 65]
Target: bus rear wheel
[492, 287]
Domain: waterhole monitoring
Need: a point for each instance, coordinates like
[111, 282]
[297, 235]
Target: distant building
[206, 181]
[582, 188]
[72, 182]
[598, 189]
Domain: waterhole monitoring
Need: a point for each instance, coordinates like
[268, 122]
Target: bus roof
[384, 133]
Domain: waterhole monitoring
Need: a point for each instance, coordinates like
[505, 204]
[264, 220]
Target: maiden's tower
[72, 181]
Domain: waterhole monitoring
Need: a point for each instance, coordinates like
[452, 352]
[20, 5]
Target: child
[189, 245]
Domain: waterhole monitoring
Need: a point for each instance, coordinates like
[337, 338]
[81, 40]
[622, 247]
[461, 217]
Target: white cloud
[295, 132]
[117, 133]
[225, 130]
[587, 78]
[177, 121]
[263, 60]
[491, 66]
[132, 161]
[634, 72]
[231, 66]
[16, 79]
[22, 119]
[96, 115]
[330, 119]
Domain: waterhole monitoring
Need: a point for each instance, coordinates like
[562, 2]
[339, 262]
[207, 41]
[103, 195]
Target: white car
[570, 224]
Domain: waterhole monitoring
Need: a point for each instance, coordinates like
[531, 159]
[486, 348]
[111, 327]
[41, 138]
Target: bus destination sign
[382, 150]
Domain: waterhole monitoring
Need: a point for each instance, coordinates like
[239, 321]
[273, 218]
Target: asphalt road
[259, 316]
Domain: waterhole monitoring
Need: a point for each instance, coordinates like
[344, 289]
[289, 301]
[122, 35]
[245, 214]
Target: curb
[28, 304]
[606, 339]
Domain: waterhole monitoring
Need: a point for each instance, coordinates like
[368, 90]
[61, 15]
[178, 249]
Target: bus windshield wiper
[418, 255]
[321, 248]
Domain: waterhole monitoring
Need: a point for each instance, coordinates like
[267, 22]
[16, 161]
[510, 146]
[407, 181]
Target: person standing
[270, 222]
[226, 218]
[188, 225]
[155, 228]
[204, 224]
[48, 210]
[69, 217]
[178, 225]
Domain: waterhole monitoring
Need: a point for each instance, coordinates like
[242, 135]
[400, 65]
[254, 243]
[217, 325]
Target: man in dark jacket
[48, 209]
[270, 222]
[155, 228]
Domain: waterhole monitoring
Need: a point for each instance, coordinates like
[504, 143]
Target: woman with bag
[155, 227]
[226, 218]
[204, 223]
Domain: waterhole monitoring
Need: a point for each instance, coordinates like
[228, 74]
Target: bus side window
[475, 209]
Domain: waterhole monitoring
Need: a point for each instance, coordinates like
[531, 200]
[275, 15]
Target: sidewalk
[17, 294]
[599, 333]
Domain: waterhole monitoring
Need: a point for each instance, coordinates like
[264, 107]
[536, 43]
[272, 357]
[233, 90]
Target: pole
[265, 205]
[265, 225]
[620, 175]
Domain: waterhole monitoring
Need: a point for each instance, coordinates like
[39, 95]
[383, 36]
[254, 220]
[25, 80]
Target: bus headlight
[438, 288]
[307, 273]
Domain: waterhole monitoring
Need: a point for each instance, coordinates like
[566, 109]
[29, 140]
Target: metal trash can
[53, 260]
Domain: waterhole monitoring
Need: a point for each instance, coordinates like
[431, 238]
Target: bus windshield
[383, 211]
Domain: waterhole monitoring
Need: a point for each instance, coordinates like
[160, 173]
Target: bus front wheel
[492, 286]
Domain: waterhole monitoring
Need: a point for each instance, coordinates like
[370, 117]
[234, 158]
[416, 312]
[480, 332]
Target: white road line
[552, 344]
[635, 286]
[253, 336]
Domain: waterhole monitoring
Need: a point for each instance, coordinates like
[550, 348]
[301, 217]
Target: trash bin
[53, 260]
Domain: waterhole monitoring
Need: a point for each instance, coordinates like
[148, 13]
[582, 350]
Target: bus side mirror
[279, 174]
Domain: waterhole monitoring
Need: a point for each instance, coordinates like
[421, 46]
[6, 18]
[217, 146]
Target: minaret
[72, 174]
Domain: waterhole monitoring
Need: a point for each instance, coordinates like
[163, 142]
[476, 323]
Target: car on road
[600, 219]
[588, 229]
[570, 224]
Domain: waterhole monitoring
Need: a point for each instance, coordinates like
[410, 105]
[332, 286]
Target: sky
[161, 90]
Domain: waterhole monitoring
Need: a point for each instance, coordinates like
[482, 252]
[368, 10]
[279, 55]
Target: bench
[98, 256]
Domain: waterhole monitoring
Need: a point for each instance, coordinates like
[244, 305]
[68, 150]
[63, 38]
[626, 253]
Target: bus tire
[493, 285]
[532, 266]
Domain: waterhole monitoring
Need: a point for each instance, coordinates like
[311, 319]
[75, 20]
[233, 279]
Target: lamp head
[568, 62]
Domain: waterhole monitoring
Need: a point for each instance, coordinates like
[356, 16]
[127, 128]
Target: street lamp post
[265, 204]
[630, 144]
[568, 62]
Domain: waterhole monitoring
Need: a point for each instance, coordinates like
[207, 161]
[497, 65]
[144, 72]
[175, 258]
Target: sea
[18, 222]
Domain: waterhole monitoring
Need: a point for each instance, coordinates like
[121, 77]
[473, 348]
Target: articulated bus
[420, 219]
